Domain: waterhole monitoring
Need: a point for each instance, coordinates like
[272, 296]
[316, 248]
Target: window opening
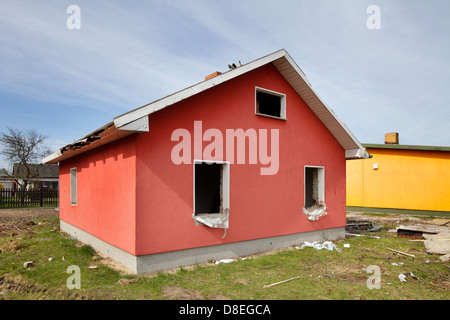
[73, 186]
[270, 103]
[211, 194]
[208, 187]
[314, 193]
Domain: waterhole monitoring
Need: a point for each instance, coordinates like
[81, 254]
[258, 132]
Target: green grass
[323, 274]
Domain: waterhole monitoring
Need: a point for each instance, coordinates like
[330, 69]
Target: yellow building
[400, 177]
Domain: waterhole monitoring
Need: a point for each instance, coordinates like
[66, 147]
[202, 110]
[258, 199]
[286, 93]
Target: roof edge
[406, 147]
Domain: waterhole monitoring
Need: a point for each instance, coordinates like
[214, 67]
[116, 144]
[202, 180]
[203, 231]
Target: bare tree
[25, 148]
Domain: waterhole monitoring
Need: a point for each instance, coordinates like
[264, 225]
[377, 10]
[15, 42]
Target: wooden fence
[10, 198]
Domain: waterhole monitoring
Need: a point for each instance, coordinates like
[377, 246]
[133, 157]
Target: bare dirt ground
[397, 219]
[19, 220]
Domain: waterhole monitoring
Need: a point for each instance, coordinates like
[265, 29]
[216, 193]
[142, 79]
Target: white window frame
[320, 187]
[214, 219]
[314, 213]
[282, 103]
[73, 186]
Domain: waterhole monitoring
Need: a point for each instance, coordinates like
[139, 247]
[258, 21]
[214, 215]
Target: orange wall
[106, 193]
[405, 179]
[260, 206]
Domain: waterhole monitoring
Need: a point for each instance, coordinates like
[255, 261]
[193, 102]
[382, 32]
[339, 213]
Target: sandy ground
[18, 220]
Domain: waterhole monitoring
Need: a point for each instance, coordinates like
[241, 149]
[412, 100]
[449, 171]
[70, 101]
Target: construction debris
[438, 244]
[315, 212]
[434, 232]
[414, 277]
[362, 225]
[436, 237]
[419, 229]
[397, 264]
[400, 252]
[402, 277]
[284, 281]
[225, 261]
[360, 235]
[319, 246]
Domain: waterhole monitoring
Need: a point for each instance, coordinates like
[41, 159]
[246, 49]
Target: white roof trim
[51, 157]
[357, 154]
[141, 124]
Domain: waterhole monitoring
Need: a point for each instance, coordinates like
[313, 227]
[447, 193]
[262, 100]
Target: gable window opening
[270, 103]
[73, 186]
[314, 196]
[211, 193]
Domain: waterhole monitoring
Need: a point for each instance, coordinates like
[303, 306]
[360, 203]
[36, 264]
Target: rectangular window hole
[208, 193]
[314, 193]
[311, 187]
[211, 194]
[73, 186]
[270, 103]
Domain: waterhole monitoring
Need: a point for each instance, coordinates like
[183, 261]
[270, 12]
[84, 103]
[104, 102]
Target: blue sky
[67, 83]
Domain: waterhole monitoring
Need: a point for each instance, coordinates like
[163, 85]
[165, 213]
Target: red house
[246, 161]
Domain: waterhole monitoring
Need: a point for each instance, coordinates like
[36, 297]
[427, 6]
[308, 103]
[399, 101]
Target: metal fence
[10, 198]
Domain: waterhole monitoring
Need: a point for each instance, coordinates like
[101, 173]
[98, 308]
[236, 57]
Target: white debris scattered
[346, 245]
[402, 277]
[412, 275]
[397, 264]
[319, 246]
[225, 261]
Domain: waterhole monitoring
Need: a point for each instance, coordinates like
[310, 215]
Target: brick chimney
[391, 138]
[212, 75]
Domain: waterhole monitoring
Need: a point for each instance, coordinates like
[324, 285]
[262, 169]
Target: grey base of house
[174, 259]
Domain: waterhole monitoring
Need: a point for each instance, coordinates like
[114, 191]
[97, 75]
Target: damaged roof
[137, 119]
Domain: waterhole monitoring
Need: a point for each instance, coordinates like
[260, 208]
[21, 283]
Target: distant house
[37, 175]
[5, 179]
[400, 177]
[246, 161]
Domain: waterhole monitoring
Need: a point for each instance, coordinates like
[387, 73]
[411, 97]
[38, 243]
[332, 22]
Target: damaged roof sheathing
[137, 119]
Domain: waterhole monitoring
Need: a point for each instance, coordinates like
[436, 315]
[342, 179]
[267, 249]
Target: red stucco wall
[260, 205]
[106, 193]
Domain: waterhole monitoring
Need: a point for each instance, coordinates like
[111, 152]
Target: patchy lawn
[315, 274]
